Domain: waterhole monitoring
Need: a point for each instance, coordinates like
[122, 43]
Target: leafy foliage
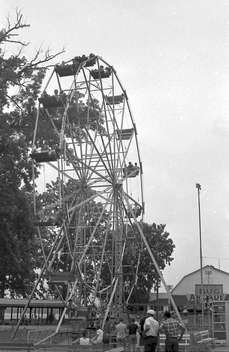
[162, 248]
[20, 84]
[17, 250]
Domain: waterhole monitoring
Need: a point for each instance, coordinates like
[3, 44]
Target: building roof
[180, 300]
[196, 271]
[7, 302]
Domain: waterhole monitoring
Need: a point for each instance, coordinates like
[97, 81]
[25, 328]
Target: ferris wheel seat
[131, 172]
[65, 70]
[116, 99]
[43, 223]
[101, 72]
[75, 114]
[86, 60]
[51, 101]
[125, 134]
[136, 211]
[45, 156]
[91, 61]
[56, 277]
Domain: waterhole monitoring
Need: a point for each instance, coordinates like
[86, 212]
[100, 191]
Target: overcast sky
[172, 57]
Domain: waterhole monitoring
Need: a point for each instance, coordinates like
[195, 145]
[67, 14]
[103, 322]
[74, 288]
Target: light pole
[198, 186]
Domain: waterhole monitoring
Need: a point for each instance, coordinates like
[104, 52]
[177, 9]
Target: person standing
[138, 333]
[132, 329]
[150, 332]
[141, 329]
[121, 332]
[173, 332]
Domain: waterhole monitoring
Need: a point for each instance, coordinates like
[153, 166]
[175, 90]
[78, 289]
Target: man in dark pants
[151, 331]
[173, 331]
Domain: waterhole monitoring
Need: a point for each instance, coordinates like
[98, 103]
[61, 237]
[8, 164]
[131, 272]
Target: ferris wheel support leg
[36, 284]
[55, 332]
[45, 339]
[109, 303]
[101, 260]
[36, 125]
[34, 190]
[154, 262]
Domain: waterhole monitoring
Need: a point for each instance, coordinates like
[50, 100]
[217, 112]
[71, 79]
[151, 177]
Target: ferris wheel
[87, 218]
[86, 137]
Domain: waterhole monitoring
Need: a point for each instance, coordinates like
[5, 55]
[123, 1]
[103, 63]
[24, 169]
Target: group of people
[102, 72]
[131, 170]
[145, 332]
[171, 327]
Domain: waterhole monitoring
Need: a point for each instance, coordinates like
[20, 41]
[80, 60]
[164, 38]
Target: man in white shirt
[151, 332]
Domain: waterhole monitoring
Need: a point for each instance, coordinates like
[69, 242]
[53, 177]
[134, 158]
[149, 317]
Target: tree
[162, 248]
[20, 83]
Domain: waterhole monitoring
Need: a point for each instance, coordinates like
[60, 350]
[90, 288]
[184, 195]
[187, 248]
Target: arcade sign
[211, 292]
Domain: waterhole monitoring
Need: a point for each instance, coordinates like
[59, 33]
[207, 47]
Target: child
[83, 340]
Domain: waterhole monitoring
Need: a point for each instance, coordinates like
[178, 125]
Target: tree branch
[13, 101]
[6, 34]
[17, 42]
[36, 61]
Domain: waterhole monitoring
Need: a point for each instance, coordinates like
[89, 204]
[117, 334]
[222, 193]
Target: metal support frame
[97, 161]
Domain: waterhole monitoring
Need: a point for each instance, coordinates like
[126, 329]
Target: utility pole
[157, 297]
[198, 186]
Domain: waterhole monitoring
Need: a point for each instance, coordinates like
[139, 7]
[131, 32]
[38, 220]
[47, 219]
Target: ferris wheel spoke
[85, 201]
[92, 101]
[77, 231]
[99, 154]
[101, 89]
[103, 254]
[102, 259]
[107, 127]
[114, 289]
[94, 171]
[86, 151]
[76, 167]
[64, 118]
[93, 233]
[126, 195]
[98, 159]
[120, 146]
[81, 157]
[119, 153]
[89, 157]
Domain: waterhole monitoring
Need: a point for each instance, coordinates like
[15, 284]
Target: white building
[187, 292]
